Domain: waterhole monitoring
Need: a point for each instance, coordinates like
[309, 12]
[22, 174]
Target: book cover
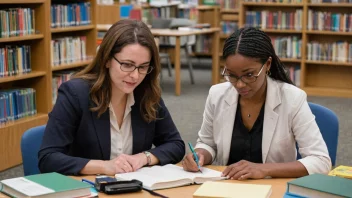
[222, 189]
[48, 185]
[318, 185]
[342, 171]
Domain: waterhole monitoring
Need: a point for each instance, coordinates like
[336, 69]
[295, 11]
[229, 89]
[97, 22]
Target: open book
[169, 176]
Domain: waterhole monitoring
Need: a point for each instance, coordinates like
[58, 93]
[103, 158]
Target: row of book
[68, 50]
[275, 1]
[228, 27]
[340, 51]
[15, 60]
[57, 80]
[287, 47]
[16, 104]
[294, 72]
[275, 20]
[70, 15]
[149, 14]
[331, 1]
[229, 4]
[203, 44]
[191, 13]
[339, 22]
[16, 22]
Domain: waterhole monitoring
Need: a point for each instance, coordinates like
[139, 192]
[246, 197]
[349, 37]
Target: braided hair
[254, 43]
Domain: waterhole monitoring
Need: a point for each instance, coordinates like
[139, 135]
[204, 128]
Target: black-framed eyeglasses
[244, 78]
[128, 67]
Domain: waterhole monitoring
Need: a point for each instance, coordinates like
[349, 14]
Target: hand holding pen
[193, 161]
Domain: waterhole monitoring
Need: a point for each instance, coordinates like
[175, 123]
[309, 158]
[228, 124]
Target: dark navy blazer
[74, 134]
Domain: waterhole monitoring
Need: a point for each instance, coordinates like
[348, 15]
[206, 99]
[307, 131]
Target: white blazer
[287, 120]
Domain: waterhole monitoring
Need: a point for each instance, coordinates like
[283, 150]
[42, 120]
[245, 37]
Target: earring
[268, 72]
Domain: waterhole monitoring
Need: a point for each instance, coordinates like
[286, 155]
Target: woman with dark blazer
[107, 118]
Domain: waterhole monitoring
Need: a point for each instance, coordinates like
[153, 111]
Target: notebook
[223, 189]
[46, 185]
[169, 176]
[322, 186]
[342, 171]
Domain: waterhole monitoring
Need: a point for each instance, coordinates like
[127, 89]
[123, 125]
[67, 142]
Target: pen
[195, 156]
[89, 182]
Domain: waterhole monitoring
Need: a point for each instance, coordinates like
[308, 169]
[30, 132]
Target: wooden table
[214, 32]
[278, 188]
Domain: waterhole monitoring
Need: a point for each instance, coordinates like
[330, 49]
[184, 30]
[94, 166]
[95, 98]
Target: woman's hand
[245, 170]
[121, 164]
[137, 161]
[189, 164]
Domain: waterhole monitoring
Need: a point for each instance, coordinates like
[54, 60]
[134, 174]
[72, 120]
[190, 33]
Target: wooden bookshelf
[319, 78]
[272, 4]
[40, 78]
[71, 66]
[32, 74]
[21, 38]
[327, 5]
[227, 15]
[72, 29]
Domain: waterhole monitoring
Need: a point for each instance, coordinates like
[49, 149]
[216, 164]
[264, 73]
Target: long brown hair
[123, 33]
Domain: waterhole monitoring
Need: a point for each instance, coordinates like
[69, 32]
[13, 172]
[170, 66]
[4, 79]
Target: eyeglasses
[248, 78]
[127, 67]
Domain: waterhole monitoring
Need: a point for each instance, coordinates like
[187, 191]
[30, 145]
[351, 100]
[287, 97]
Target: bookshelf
[229, 16]
[316, 77]
[40, 77]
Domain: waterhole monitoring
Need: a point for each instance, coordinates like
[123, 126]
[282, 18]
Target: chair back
[328, 124]
[30, 145]
[185, 24]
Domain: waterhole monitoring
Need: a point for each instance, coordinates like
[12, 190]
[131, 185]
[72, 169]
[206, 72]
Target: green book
[322, 186]
[45, 185]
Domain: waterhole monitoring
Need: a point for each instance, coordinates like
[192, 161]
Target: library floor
[187, 111]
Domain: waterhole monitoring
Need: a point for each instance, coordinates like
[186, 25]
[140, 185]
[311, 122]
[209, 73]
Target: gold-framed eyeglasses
[128, 67]
[247, 78]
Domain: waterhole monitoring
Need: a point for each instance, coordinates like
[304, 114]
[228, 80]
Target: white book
[170, 176]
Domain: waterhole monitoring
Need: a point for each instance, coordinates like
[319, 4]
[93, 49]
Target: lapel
[138, 129]
[228, 120]
[273, 99]
[102, 130]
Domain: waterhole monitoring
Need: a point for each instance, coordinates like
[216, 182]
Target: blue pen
[194, 155]
[89, 182]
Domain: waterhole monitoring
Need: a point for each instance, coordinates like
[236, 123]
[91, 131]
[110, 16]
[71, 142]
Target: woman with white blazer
[251, 123]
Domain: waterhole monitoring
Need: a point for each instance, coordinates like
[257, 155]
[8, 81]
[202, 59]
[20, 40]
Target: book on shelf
[17, 22]
[16, 104]
[68, 50]
[169, 176]
[287, 46]
[340, 51]
[58, 79]
[48, 185]
[328, 21]
[342, 171]
[212, 189]
[331, 1]
[228, 27]
[322, 186]
[279, 20]
[294, 72]
[274, 1]
[73, 14]
[15, 60]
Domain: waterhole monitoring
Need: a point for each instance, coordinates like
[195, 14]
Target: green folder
[319, 185]
[45, 185]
